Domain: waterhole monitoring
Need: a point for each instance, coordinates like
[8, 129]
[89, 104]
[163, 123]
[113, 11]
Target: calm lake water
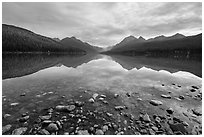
[36, 82]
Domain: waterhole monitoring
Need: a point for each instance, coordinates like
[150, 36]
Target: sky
[105, 24]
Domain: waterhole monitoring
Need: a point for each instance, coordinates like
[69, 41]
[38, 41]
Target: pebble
[52, 127]
[170, 110]
[146, 118]
[14, 104]
[95, 95]
[19, 131]
[109, 114]
[6, 128]
[44, 132]
[166, 96]
[7, 115]
[91, 100]
[83, 132]
[105, 128]
[99, 132]
[155, 102]
[116, 95]
[68, 108]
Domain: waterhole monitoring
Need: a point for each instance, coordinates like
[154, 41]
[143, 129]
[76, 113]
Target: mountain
[56, 39]
[175, 46]
[74, 42]
[16, 39]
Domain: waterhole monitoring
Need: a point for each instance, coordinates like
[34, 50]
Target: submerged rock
[19, 131]
[83, 132]
[68, 108]
[166, 96]
[99, 132]
[155, 102]
[52, 127]
[6, 128]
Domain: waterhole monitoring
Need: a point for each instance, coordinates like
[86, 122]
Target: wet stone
[155, 102]
[6, 128]
[19, 131]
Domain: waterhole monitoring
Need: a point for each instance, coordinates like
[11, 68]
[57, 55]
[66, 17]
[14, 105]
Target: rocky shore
[89, 112]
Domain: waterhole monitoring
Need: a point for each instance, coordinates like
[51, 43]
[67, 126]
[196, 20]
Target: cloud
[105, 24]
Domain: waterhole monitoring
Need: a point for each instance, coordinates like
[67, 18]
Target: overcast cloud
[105, 24]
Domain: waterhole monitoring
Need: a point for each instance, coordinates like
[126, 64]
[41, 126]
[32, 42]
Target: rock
[166, 96]
[170, 110]
[79, 104]
[91, 100]
[66, 133]
[83, 132]
[192, 90]
[177, 127]
[109, 114]
[139, 99]
[120, 133]
[119, 107]
[24, 119]
[94, 96]
[116, 95]
[155, 128]
[19, 131]
[105, 128]
[157, 120]
[194, 87]
[46, 117]
[52, 127]
[185, 124]
[155, 102]
[23, 94]
[181, 97]
[146, 118]
[125, 122]
[7, 115]
[14, 104]
[128, 94]
[91, 130]
[101, 99]
[151, 132]
[6, 128]
[103, 96]
[67, 108]
[99, 132]
[58, 124]
[44, 132]
[105, 102]
[197, 112]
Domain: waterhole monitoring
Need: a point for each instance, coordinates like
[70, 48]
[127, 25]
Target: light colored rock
[103, 96]
[19, 131]
[156, 102]
[46, 117]
[116, 95]
[52, 127]
[6, 128]
[166, 96]
[65, 108]
[99, 132]
[95, 96]
[91, 100]
[83, 132]
[14, 104]
[105, 128]
[7, 115]
[146, 118]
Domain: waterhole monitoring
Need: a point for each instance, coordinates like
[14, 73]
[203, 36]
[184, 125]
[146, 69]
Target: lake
[100, 94]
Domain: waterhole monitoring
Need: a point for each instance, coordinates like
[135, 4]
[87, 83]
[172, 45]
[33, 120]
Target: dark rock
[166, 96]
[23, 94]
[197, 112]
[192, 90]
[194, 87]
[155, 102]
[181, 97]
[52, 127]
[91, 130]
[170, 110]
[177, 127]
[6, 128]
[19, 131]
[128, 94]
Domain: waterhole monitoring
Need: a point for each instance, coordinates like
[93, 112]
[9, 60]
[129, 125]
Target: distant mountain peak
[141, 38]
